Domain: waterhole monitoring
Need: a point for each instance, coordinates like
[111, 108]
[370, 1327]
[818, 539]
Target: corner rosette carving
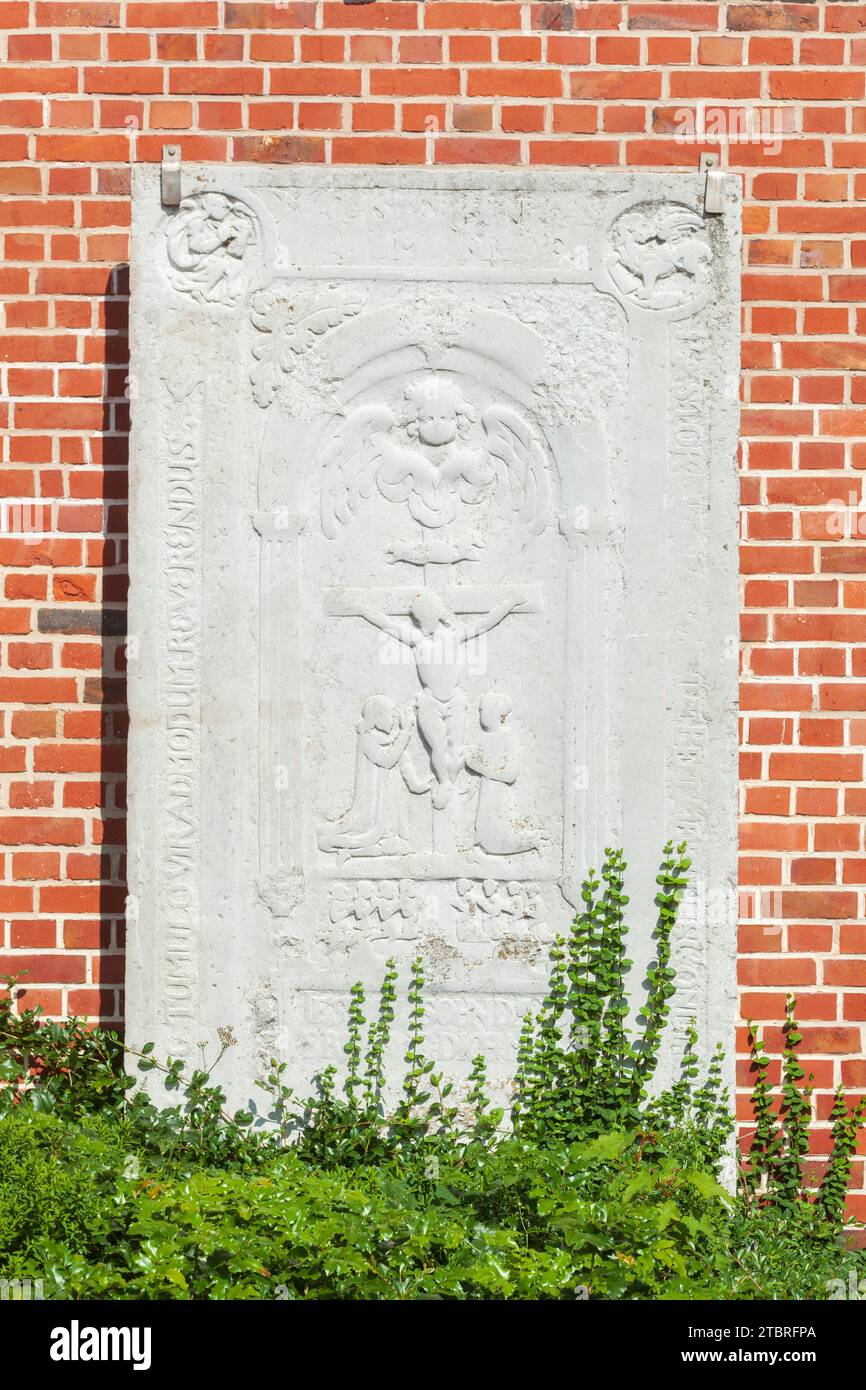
[660, 257]
[208, 245]
[288, 328]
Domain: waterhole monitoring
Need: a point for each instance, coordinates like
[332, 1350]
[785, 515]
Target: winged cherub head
[435, 411]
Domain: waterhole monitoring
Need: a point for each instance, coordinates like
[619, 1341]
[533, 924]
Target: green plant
[67, 1067]
[55, 1179]
[581, 1070]
[773, 1177]
[602, 1185]
[847, 1124]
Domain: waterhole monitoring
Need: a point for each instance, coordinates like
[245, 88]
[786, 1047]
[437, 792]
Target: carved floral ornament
[180, 373]
[288, 327]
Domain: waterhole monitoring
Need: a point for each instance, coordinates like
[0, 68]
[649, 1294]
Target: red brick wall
[86, 88]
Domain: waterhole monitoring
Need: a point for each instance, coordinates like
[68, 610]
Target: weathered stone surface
[433, 592]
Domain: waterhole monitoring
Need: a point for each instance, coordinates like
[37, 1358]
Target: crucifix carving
[437, 628]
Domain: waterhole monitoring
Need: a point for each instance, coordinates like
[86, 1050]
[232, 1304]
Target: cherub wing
[353, 455]
[514, 445]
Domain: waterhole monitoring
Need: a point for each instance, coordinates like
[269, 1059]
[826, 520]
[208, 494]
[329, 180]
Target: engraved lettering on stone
[207, 243]
[456, 1026]
[687, 758]
[181, 695]
[660, 256]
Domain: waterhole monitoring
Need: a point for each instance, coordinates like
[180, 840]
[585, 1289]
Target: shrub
[594, 1184]
[54, 1182]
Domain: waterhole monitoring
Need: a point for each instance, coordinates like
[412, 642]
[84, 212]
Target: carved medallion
[207, 244]
[660, 256]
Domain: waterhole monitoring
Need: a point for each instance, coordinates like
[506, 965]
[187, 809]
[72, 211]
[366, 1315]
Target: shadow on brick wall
[107, 690]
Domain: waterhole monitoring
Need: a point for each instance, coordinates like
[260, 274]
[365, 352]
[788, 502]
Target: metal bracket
[714, 188]
[170, 176]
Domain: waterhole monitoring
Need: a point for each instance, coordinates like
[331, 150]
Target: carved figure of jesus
[436, 641]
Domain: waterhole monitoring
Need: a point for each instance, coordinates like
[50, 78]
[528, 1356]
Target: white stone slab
[434, 594]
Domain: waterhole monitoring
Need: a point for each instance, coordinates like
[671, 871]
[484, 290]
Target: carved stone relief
[390, 909]
[434, 459]
[207, 245]
[432, 589]
[660, 256]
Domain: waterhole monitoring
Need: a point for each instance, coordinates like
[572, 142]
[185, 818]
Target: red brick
[826, 904]
[575, 120]
[330, 48]
[469, 116]
[279, 149]
[613, 86]
[809, 85]
[40, 830]
[845, 972]
[465, 150]
[668, 50]
[809, 936]
[813, 871]
[667, 15]
[423, 48]
[35, 866]
[794, 18]
[845, 18]
[718, 51]
[327, 82]
[163, 14]
[378, 150]
[474, 47]
[583, 152]
[790, 971]
[522, 118]
[426, 116]
[816, 767]
[216, 81]
[91, 1002]
[32, 935]
[421, 82]
[443, 14]
[569, 50]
